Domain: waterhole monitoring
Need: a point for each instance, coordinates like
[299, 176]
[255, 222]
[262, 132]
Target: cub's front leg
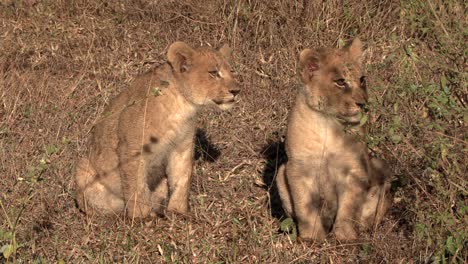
[351, 196]
[179, 174]
[305, 194]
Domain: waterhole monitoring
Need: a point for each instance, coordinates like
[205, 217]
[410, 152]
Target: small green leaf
[5, 235]
[106, 114]
[366, 249]
[451, 245]
[7, 250]
[341, 43]
[421, 230]
[155, 91]
[363, 120]
[51, 149]
[413, 88]
[443, 151]
[28, 112]
[287, 225]
[463, 210]
[395, 138]
[443, 82]
[65, 140]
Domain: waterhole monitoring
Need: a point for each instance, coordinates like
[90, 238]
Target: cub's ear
[355, 49]
[309, 61]
[226, 51]
[180, 56]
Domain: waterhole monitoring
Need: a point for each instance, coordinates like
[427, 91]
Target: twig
[458, 186]
[234, 169]
[454, 138]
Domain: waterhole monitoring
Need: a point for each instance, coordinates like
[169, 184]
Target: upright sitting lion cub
[141, 152]
[330, 182]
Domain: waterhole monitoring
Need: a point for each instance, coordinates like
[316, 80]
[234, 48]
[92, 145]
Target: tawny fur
[141, 151]
[329, 183]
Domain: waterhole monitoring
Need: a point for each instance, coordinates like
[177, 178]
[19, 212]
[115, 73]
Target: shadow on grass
[204, 150]
[275, 155]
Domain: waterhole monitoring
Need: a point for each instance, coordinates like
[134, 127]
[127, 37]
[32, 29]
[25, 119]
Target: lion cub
[329, 181]
[141, 152]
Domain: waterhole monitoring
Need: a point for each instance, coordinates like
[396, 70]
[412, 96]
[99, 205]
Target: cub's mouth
[225, 103]
[353, 119]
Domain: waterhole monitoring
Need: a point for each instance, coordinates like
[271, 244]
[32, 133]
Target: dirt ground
[62, 60]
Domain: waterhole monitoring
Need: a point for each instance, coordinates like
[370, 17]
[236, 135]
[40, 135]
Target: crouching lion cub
[141, 152]
[329, 181]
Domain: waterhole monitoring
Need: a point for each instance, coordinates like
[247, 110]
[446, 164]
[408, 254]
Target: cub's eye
[214, 74]
[341, 83]
[362, 81]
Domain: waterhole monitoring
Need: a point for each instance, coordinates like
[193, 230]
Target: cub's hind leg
[93, 193]
[159, 197]
[378, 198]
[134, 182]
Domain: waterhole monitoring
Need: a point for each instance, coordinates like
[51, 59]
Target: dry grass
[61, 61]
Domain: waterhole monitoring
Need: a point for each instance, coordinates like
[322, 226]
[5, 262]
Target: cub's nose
[234, 91]
[361, 105]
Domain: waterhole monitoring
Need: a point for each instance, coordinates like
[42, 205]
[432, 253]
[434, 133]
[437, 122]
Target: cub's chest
[156, 125]
[329, 146]
[173, 128]
[161, 139]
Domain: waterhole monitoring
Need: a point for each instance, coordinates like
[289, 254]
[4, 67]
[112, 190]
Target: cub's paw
[345, 232]
[180, 207]
[314, 233]
[138, 210]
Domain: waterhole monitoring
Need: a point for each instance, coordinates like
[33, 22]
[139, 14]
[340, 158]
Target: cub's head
[334, 81]
[204, 75]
